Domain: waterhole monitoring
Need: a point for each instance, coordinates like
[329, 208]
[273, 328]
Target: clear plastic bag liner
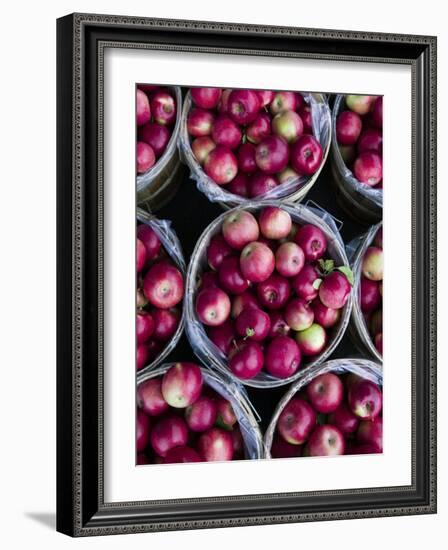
[237, 396]
[143, 180]
[172, 245]
[320, 113]
[355, 252]
[207, 352]
[375, 195]
[362, 367]
[334, 223]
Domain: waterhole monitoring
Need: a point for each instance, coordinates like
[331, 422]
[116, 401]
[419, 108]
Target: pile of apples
[333, 415]
[251, 141]
[180, 419]
[371, 290]
[160, 289]
[271, 295]
[156, 112]
[359, 134]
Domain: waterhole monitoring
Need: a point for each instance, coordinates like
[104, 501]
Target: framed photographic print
[246, 275]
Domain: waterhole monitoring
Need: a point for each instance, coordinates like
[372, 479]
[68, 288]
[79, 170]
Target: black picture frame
[81, 39]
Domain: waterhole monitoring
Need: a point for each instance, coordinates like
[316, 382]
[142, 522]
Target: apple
[142, 107]
[325, 392]
[275, 223]
[221, 165]
[376, 322]
[150, 398]
[281, 449]
[360, 104]
[272, 154]
[326, 440]
[212, 306]
[201, 148]
[305, 283]
[243, 106]
[287, 125]
[141, 300]
[226, 132]
[348, 153]
[223, 336]
[306, 155]
[209, 279]
[144, 326]
[259, 129]
[166, 322]
[246, 359]
[201, 415]
[365, 399]
[253, 323]
[169, 432]
[246, 158]
[230, 277]
[154, 348]
[238, 443]
[163, 108]
[261, 183]
[282, 357]
[377, 112]
[299, 314]
[274, 292]
[240, 228]
[140, 255]
[142, 430]
[141, 356]
[378, 341]
[289, 259]
[370, 296]
[307, 118]
[206, 98]
[223, 105]
[312, 241]
[370, 140]
[239, 185]
[142, 459]
[278, 325]
[200, 122]
[312, 340]
[145, 157]
[181, 455]
[296, 421]
[240, 302]
[287, 175]
[150, 239]
[371, 431]
[368, 168]
[163, 285]
[283, 101]
[372, 264]
[344, 419]
[265, 97]
[226, 417]
[378, 240]
[326, 317]
[257, 262]
[215, 445]
[348, 128]
[155, 135]
[335, 290]
[217, 251]
[182, 384]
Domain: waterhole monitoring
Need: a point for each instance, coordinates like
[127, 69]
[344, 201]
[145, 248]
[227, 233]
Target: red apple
[272, 154]
[283, 101]
[142, 430]
[144, 326]
[335, 290]
[326, 440]
[275, 223]
[246, 158]
[274, 292]
[368, 168]
[212, 306]
[246, 299]
[312, 241]
[371, 431]
[253, 323]
[163, 285]
[150, 239]
[376, 322]
[142, 356]
[305, 283]
[243, 106]
[217, 251]
[325, 316]
[200, 122]
[348, 128]
[278, 325]
[155, 135]
[201, 148]
[166, 322]
[223, 336]
[154, 349]
[265, 97]
[370, 296]
[325, 392]
[230, 277]
[312, 340]
[239, 185]
[209, 279]
[145, 157]
[169, 432]
[223, 105]
[261, 183]
[143, 110]
[296, 421]
[370, 140]
[282, 357]
[142, 459]
[206, 98]
[226, 417]
[150, 398]
[221, 165]
[226, 132]
[365, 399]
[259, 129]
[306, 155]
[238, 443]
[307, 118]
[215, 445]
[360, 104]
[181, 455]
[287, 125]
[201, 415]
[378, 341]
[372, 264]
[299, 314]
[377, 112]
[289, 259]
[246, 359]
[257, 262]
[344, 419]
[182, 384]
[240, 228]
[281, 449]
[163, 108]
[140, 255]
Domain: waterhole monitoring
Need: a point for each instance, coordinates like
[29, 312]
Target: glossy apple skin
[299, 314]
[217, 251]
[371, 431]
[259, 129]
[240, 228]
[230, 277]
[226, 132]
[215, 445]
[143, 110]
[201, 415]
[287, 125]
[326, 440]
[306, 155]
[265, 97]
[246, 299]
[146, 157]
[312, 241]
[142, 430]
[239, 185]
[348, 128]
[296, 421]
[283, 101]
[253, 323]
[274, 222]
[200, 122]
[274, 292]
[179, 455]
[370, 297]
[279, 327]
[368, 168]
[206, 98]
[370, 140]
[223, 336]
[201, 148]
[150, 398]
[140, 255]
[182, 384]
[325, 392]
[335, 290]
[272, 154]
[289, 259]
[243, 106]
[260, 183]
[365, 399]
[360, 104]
[141, 356]
[144, 326]
[221, 165]
[304, 281]
[212, 306]
[325, 316]
[163, 285]
[155, 135]
[344, 419]
[226, 417]
[283, 357]
[166, 322]
[312, 340]
[247, 360]
[163, 108]
[257, 262]
[150, 239]
[246, 158]
[373, 264]
[169, 432]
